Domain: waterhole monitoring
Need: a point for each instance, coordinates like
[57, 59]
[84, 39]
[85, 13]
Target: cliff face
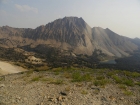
[69, 33]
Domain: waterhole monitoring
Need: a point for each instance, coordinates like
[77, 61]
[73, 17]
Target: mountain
[13, 37]
[69, 33]
[136, 41]
[111, 42]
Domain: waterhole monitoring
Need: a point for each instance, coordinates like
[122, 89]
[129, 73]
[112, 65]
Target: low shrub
[35, 79]
[123, 87]
[84, 92]
[128, 93]
[128, 82]
[78, 77]
[57, 82]
[117, 79]
[101, 82]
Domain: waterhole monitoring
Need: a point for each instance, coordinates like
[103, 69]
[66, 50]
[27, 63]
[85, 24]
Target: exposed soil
[7, 68]
[48, 88]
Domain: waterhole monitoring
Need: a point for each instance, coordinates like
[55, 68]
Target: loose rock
[2, 85]
[63, 93]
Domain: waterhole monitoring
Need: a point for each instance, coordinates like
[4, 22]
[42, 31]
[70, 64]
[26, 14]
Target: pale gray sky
[121, 16]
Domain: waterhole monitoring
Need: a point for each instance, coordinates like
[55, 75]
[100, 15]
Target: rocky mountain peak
[70, 33]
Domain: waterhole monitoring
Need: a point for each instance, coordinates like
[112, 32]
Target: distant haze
[121, 16]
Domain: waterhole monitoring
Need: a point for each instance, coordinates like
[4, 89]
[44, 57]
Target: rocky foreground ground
[52, 88]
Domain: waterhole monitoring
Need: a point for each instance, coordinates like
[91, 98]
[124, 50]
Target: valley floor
[57, 88]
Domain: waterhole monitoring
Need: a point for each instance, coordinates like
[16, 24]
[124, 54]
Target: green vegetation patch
[123, 80]
[128, 93]
[100, 77]
[135, 74]
[1, 78]
[128, 82]
[84, 92]
[78, 77]
[28, 73]
[35, 79]
[137, 83]
[110, 73]
[57, 82]
[123, 87]
[117, 79]
[101, 82]
[38, 78]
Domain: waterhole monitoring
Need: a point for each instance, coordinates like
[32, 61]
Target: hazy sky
[121, 16]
